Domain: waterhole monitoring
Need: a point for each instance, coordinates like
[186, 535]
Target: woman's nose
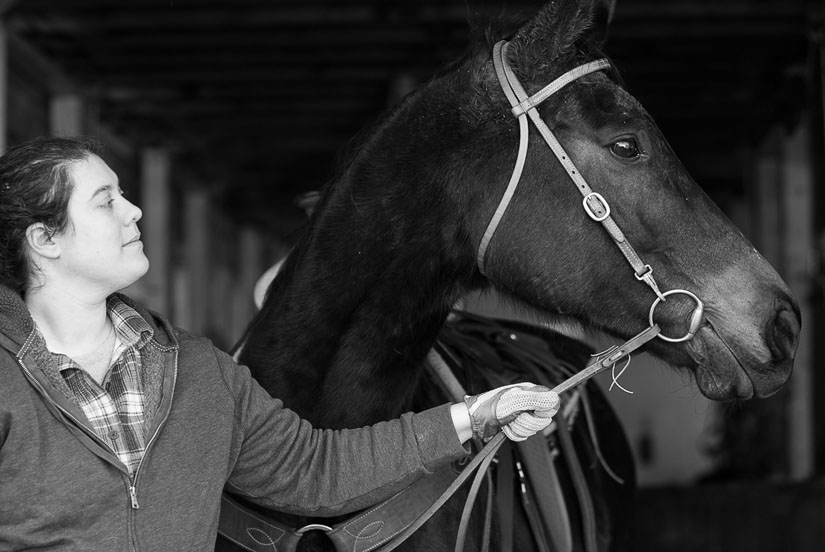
[133, 212]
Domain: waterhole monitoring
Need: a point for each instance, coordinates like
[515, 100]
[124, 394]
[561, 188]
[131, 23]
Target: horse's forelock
[561, 35]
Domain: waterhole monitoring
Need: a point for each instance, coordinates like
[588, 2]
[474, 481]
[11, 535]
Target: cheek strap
[524, 106]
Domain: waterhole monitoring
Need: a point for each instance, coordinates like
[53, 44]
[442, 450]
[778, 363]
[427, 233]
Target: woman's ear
[41, 241]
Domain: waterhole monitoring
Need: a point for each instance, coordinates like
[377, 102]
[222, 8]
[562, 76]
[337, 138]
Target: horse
[425, 210]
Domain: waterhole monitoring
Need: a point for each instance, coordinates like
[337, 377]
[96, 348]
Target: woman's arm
[282, 462]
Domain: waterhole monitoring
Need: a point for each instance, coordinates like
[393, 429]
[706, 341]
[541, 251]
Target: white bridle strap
[505, 199]
[594, 204]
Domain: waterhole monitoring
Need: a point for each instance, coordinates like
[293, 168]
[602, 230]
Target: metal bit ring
[695, 318]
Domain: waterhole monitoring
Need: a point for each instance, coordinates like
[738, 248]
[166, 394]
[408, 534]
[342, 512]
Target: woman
[119, 431]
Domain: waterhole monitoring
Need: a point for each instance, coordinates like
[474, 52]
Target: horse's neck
[343, 339]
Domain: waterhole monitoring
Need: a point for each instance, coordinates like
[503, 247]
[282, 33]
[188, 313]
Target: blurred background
[218, 114]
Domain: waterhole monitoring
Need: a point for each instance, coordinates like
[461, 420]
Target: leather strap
[468, 505]
[471, 498]
[531, 510]
[504, 494]
[541, 472]
[381, 524]
[488, 517]
[586, 507]
[365, 532]
[253, 532]
[481, 462]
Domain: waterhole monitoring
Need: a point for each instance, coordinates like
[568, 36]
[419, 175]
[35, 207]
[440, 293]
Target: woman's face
[100, 246]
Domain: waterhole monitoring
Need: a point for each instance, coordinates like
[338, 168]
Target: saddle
[482, 353]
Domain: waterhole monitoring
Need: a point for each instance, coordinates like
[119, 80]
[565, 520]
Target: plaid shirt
[116, 408]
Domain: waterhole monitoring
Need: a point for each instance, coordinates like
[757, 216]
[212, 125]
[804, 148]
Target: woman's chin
[134, 273]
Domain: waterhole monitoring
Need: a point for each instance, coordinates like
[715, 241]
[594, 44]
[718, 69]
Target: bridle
[595, 205]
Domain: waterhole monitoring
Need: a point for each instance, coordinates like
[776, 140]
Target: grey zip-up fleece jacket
[61, 488]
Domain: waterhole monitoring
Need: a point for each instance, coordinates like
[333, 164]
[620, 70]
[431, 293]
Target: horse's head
[548, 252]
[395, 238]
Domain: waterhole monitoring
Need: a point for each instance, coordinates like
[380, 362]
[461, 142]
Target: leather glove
[520, 410]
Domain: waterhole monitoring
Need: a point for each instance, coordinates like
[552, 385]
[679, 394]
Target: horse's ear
[563, 27]
[602, 14]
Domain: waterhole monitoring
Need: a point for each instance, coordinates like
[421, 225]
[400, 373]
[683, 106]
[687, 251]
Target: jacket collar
[17, 326]
[16, 323]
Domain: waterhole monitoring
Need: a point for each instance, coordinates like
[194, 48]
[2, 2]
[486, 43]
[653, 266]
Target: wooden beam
[4, 86]
[6, 5]
[66, 115]
[46, 71]
[798, 243]
[197, 227]
[156, 194]
[708, 9]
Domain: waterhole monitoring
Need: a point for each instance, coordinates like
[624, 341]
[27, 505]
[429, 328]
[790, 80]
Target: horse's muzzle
[782, 335]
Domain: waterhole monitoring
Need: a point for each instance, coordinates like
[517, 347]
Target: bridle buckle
[601, 205]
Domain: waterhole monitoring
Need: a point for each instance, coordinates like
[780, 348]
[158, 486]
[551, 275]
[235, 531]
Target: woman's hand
[520, 410]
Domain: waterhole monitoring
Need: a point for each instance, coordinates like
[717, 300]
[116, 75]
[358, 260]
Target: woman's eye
[625, 149]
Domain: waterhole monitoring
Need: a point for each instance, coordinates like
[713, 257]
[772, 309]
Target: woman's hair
[35, 187]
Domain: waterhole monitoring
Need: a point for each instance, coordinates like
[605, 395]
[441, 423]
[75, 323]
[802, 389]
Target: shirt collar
[132, 330]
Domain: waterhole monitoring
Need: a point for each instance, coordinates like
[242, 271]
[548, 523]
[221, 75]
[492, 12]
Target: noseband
[595, 205]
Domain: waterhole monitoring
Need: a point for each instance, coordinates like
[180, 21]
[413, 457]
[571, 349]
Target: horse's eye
[626, 148]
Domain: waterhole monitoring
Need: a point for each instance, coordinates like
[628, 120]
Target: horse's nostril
[784, 335]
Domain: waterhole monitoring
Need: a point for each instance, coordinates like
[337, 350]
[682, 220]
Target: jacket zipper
[133, 496]
[133, 480]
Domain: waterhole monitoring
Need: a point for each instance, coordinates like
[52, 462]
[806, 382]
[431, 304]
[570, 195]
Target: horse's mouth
[719, 373]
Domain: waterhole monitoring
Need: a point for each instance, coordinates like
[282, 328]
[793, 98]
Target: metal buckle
[590, 212]
[314, 527]
[695, 318]
[642, 275]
